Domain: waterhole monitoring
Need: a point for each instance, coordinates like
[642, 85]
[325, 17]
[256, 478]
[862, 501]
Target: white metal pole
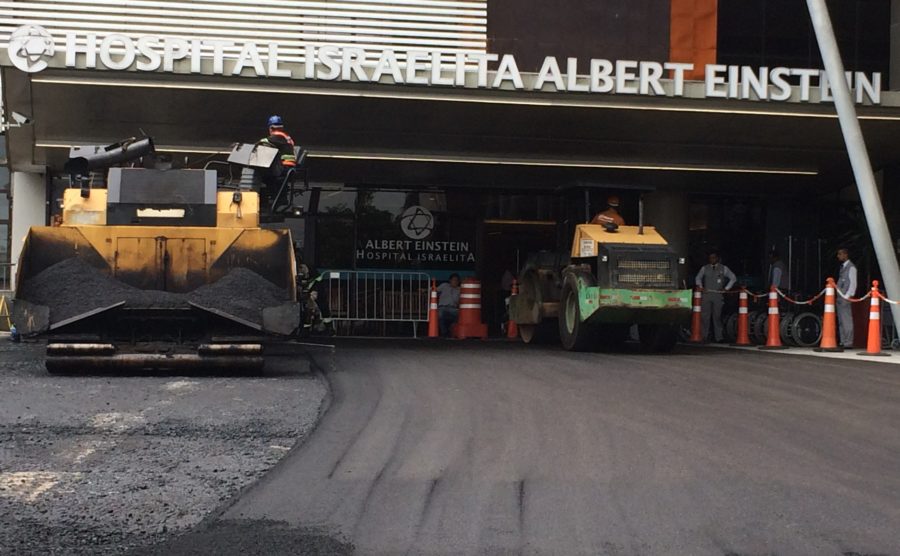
[856, 148]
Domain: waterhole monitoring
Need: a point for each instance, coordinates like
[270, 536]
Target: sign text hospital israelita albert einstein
[32, 48]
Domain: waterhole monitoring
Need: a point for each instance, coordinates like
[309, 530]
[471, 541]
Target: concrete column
[856, 148]
[668, 212]
[895, 45]
[29, 208]
[890, 196]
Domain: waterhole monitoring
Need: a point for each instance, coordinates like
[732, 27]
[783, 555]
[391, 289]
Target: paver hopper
[161, 271]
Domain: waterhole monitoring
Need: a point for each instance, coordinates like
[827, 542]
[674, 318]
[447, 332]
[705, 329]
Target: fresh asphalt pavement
[499, 448]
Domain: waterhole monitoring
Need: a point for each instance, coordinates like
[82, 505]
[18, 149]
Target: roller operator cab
[160, 270]
[611, 279]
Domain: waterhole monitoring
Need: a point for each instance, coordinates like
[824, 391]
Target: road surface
[496, 448]
[97, 464]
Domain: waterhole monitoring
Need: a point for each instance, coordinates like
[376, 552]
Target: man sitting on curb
[448, 304]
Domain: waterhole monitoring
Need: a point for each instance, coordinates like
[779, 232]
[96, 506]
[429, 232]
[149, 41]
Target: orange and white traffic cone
[697, 318]
[512, 329]
[773, 340]
[829, 320]
[743, 321]
[469, 324]
[873, 345]
[434, 327]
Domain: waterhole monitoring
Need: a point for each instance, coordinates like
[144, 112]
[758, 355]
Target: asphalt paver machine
[158, 270]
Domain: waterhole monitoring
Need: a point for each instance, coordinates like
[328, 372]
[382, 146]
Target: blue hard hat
[275, 121]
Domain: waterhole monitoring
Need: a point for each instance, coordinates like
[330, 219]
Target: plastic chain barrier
[884, 298]
[777, 292]
[756, 296]
[734, 291]
[853, 299]
[881, 295]
[703, 290]
[809, 301]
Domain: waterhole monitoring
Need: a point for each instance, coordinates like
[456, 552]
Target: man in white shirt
[847, 285]
[714, 278]
[778, 275]
[448, 304]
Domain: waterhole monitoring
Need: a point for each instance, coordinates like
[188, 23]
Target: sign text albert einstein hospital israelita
[469, 70]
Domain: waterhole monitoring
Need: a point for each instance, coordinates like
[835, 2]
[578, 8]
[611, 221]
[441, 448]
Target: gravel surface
[72, 287]
[104, 464]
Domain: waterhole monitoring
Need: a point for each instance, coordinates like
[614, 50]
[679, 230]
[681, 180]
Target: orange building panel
[693, 34]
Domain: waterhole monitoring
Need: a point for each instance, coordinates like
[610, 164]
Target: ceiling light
[559, 101]
[497, 161]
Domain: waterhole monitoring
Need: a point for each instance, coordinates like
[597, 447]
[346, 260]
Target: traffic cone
[773, 341]
[743, 321]
[512, 329]
[434, 328]
[697, 318]
[829, 320]
[873, 345]
[469, 324]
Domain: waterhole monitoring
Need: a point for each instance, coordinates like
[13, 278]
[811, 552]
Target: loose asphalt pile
[72, 287]
[242, 293]
[109, 464]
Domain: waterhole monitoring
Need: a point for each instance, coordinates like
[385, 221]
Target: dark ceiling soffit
[596, 185]
[440, 94]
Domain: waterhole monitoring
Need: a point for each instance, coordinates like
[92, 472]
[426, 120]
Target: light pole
[856, 148]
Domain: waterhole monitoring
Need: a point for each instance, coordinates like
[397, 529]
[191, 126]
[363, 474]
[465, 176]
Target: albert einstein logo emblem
[29, 45]
[417, 222]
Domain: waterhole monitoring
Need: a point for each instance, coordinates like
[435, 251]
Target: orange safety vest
[287, 160]
[608, 216]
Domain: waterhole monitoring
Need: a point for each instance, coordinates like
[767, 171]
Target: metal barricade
[376, 296]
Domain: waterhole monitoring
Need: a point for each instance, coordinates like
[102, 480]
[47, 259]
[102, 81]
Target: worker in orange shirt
[610, 215]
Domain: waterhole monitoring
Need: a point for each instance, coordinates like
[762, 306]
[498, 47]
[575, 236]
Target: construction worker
[777, 276]
[611, 214]
[846, 285]
[280, 140]
[714, 278]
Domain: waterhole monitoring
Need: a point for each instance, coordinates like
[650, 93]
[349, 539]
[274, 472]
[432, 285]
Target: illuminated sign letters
[31, 48]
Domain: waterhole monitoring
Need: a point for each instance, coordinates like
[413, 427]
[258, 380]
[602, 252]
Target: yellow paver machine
[159, 270]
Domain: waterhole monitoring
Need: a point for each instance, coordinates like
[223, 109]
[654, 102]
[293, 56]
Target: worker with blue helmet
[279, 139]
[281, 168]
